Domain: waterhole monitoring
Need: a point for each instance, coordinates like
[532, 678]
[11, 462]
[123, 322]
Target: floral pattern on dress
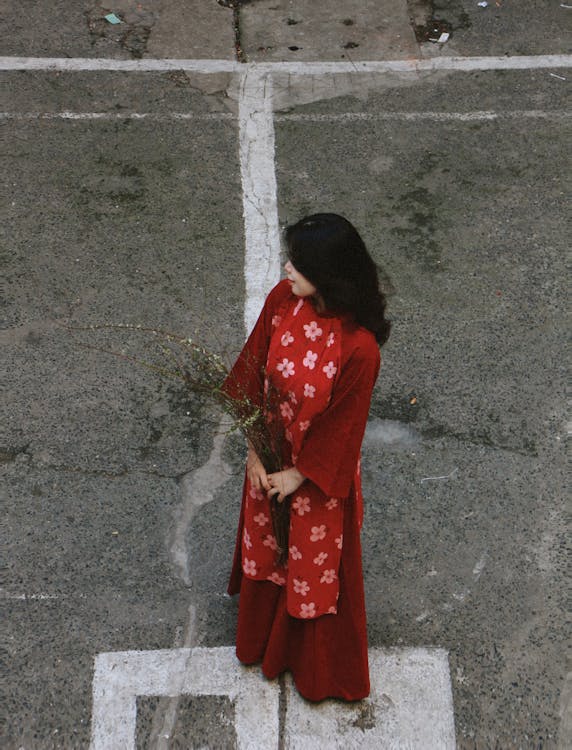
[295, 553]
[286, 339]
[246, 538]
[301, 587]
[286, 410]
[249, 567]
[301, 505]
[309, 360]
[328, 576]
[308, 610]
[286, 367]
[318, 533]
[312, 331]
[330, 369]
[270, 541]
[303, 383]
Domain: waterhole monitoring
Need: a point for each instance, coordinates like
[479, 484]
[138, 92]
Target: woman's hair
[328, 251]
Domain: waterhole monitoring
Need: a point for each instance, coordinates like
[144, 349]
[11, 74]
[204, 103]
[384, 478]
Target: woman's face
[301, 287]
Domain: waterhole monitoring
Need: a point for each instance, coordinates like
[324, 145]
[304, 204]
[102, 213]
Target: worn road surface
[148, 167]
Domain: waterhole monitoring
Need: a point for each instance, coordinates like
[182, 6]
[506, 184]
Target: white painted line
[153, 116]
[416, 116]
[259, 192]
[519, 62]
[333, 117]
[120, 677]
[94, 64]
[410, 708]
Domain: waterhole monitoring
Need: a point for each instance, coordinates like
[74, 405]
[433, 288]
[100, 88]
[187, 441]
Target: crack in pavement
[198, 488]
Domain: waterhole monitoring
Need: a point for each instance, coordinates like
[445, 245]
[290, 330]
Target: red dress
[307, 616]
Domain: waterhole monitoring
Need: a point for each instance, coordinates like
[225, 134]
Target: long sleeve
[246, 378]
[331, 449]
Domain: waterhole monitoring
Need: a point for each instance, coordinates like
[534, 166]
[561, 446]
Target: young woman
[316, 347]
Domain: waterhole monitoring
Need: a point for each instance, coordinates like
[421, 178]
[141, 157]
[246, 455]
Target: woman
[316, 348]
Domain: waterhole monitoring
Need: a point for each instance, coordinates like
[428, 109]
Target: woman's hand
[284, 483]
[256, 472]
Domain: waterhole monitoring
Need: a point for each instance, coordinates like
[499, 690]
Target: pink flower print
[292, 397]
[308, 610]
[331, 339]
[270, 541]
[339, 541]
[301, 505]
[313, 331]
[298, 307]
[277, 579]
[321, 558]
[309, 360]
[309, 390]
[318, 533]
[295, 553]
[249, 567]
[287, 338]
[276, 320]
[246, 538]
[301, 587]
[261, 519]
[330, 369]
[255, 494]
[286, 367]
[288, 436]
[332, 611]
[286, 410]
[332, 503]
[304, 425]
[328, 576]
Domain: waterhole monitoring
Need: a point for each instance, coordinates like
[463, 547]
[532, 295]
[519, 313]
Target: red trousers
[327, 656]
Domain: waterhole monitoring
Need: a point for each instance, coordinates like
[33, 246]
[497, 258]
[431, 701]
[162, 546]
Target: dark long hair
[328, 251]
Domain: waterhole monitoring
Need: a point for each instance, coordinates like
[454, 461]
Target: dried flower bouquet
[204, 373]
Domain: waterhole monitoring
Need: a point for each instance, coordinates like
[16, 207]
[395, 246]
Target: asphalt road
[123, 203]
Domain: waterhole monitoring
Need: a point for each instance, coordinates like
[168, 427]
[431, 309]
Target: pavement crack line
[166, 714]
[198, 488]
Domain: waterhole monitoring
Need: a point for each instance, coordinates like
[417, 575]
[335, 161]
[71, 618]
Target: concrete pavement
[457, 181]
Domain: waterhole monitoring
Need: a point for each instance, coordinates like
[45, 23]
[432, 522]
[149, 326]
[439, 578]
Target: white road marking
[416, 116]
[74, 64]
[259, 192]
[410, 706]
[519, 62]
[294, 117]
[122, 676]
[153, 116]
